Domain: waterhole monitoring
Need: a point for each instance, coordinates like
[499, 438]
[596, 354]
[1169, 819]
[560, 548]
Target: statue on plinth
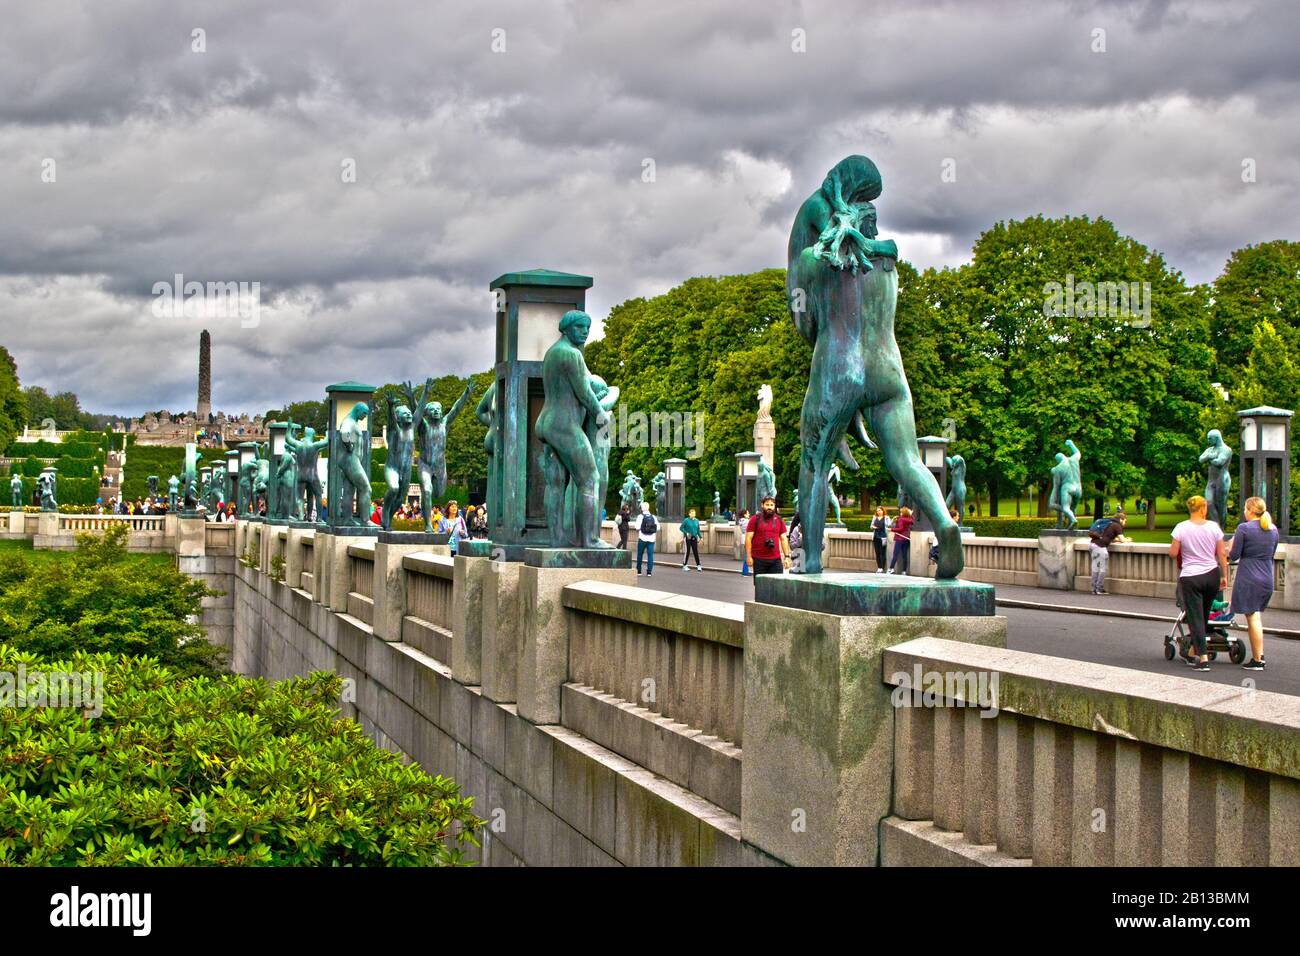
[16, 492]
[717, 505]
[351, 446]
[659, 483]
[262, 480]
[153, 486]
[631, 494]
[284, 502]
[842, 285]
[190, 477]
[48, 483]
[1218, 456]
[306, 452]
[402, 425]
[567, 453]
[432, 431]
[173, 491]
[766, 484]
[764, 427]
[1067, 488]
[956, 499]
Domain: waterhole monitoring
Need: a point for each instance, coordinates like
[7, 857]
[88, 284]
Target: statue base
[350, 531]
[614, 558]
[475, 548]
[856, 594]
[412, 537]
[258, 519]
[295, 523]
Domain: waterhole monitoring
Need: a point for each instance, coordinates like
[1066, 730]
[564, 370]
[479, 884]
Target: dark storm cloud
[226, 165]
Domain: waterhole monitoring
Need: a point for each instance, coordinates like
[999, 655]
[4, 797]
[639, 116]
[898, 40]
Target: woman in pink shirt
[1198, 547]
[902, 541]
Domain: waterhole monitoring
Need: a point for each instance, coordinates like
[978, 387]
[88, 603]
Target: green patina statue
[190, 477]
[152, 480]
[402, 425]
[48, 483]
[173, 491]
[352, 444]
[766, 484]
[631, 493]
[843, 287]
[306, 452]
[1067, 488]
[659, 483]
[717, 505]
[956, 500]
[567, 453]
[284, 501]
[432, 430]
[1218, 456]
[262, 480]
[16, 492]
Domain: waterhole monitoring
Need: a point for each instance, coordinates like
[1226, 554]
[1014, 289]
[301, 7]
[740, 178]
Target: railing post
[473, 576]
[1056, 559]
[389, 590]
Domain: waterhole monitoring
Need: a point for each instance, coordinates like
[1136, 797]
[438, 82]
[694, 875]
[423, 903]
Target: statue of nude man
[1067, 487]
[1217, 456]
[353, 442]
[568, 456]
[432, 430]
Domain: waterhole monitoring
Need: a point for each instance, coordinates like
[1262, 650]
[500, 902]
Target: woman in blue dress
[1253, 546]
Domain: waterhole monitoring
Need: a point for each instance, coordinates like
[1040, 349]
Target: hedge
[161, 460]
[69, 491]
[1013, 527]
[53, 449]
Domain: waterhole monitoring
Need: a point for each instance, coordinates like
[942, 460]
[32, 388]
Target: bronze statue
[1067, 488]
[1218, 456]
[432, 431]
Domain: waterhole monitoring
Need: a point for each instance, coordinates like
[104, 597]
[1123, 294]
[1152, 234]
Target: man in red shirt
[767, 543]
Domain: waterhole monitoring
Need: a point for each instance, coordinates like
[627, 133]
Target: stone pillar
[321, 562]
[1291, 569]
[819, 721]
[170, 529]
[241, 537]
[390, 587]
[340, 577]
[502, 634]
[271, 544]
[293, 557]
[47, 529]
[670, 538]
[544, 663]
[918, 557]
[17, 522]
[471, 578]
[191, 539]
[1056, 559]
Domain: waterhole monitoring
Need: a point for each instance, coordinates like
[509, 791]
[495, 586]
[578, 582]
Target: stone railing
[427, 620]
[1084, 764]
[1001, 560]
[137, 523]
[722, 538]
[219, 537]
[361, 581]
[849, 551]
[306, 561]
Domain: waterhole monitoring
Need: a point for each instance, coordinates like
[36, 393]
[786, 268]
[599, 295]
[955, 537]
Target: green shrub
[161, 460]
[1013, 527]
[102, 598]
[225, 772]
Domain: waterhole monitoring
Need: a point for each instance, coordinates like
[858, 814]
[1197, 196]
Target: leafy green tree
[226, 772]
[309, 414]
[1259, 283]
[13, 403]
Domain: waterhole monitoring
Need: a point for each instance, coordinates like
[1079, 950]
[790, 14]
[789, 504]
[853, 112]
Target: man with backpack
[647, 531]
[767, 545]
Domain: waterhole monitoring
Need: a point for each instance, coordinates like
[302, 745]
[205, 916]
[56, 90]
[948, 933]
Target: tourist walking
[902, 541]
[880, 525]
[767, 543]
[1203, 572]
[453, 525]
[647, 531]
[1099, 549]
[690, 530]
[624, 521]
[1253, 545]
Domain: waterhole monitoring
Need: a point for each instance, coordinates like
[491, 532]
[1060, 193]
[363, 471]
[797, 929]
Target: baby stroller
[1217, 638]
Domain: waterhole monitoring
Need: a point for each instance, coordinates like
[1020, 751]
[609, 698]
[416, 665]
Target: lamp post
[1266, 461]
[747, 481]
[232, 477]
[675, 488]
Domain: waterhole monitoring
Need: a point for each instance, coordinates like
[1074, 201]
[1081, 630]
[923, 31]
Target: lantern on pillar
[1266, 461]
[674, 488]
[747, 481]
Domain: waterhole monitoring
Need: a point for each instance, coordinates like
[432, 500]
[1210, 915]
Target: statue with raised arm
[352, 443]
[306, 452]
[956, 499]
[567, 453]
[16, 491]
[432, 432]
[1067, 488]
[173, 491]
[842, 285]
[1218, 456]
[48, 483]
[631, 493]
[402, 425]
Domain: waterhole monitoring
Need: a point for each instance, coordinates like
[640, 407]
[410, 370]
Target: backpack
[648, 524]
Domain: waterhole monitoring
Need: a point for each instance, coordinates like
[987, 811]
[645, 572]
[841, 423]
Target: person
[880, 525]
[480, 522]
[647, 530]
[1253, 545]
[1099, 549]
[742, 521]
[1198, 547]
[767, 543]
[691, 535]
[623, 521]
[376, 513]
[902, 540]
[453, 525]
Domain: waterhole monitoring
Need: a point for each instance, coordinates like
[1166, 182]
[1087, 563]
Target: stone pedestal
[670, 539]
[322, 561]
[293, 556]
[918, 558]
[270, 544]
[502, 634]
[17, 522]
[819, 722]
[1291, 569]
[191, 537]
[170, 526]
[1056, 559]
[765, 441]
[389, 592]
[544, 661]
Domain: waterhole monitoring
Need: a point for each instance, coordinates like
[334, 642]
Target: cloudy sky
[374, 165]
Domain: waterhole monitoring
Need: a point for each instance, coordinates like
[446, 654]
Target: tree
[309, 414]
[1259, 283]
[13, 403]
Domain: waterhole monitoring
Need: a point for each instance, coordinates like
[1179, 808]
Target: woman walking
[1198, 547]
[1253, 546]
[880, 538]
[902, 540]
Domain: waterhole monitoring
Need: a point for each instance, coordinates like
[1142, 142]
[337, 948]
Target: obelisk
[204, 411]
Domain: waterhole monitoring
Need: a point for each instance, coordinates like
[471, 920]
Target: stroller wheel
[1169, 651]
[1237, 654]
[1213, 654]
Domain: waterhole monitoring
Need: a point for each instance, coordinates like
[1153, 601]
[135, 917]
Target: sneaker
[699, 567]
[684, 568]
[880, 570]
[1253, 665]
[1201, 666]
[890, 571]
[1190, 661]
